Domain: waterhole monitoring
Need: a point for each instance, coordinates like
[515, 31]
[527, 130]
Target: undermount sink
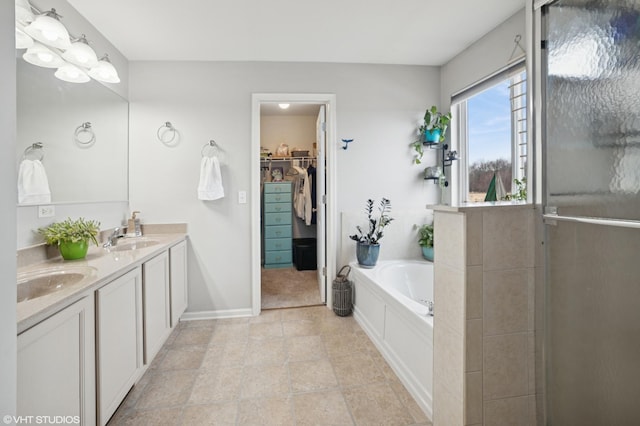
[32, 285]
[133, 245]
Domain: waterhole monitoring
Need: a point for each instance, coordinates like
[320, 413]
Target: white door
[320, 202]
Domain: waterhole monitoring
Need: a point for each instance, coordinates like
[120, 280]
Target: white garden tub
[390, 305]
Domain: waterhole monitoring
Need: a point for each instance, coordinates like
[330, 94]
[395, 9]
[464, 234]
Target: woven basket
[342, 293]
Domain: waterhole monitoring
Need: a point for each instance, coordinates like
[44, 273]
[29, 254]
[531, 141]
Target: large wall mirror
[52, 112]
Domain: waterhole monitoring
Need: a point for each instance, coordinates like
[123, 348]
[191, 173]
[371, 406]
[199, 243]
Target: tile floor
[303, 366]
[288, 288]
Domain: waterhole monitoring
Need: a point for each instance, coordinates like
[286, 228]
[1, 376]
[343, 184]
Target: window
[493, 136]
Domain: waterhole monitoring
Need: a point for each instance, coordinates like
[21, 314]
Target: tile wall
[484, 365]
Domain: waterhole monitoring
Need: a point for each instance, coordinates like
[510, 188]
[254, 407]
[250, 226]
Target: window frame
[460, 113]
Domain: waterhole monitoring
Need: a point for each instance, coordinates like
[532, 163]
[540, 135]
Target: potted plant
[368, 244]
[425, 233]
[71, 236]
[433, 130]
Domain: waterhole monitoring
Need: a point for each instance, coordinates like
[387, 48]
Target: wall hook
[346, 143]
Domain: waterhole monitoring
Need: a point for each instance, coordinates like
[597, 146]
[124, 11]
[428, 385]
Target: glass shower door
[592, 212]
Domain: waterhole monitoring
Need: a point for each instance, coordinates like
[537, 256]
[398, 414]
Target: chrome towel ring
[166, 133]
[210, 149]
[36, 149]
[84, 135]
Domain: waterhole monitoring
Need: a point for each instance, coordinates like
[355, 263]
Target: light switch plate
[46, 211]
[242, 197]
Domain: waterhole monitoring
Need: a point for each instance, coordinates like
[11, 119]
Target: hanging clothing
[302, 196]
[311, 172]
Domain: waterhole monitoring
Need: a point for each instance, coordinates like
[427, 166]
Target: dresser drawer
[281, 256]
[277, 198]
[283, 231]
[275, 244]
[277, 218]
[277, 207]
[277, 187]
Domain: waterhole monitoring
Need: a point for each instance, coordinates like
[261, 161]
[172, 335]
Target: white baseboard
[205, 315]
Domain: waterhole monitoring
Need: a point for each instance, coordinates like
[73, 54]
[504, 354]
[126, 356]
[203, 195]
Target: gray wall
[8, 199]
[379, 106]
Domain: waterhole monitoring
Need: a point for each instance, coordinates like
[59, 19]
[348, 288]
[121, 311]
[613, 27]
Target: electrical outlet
[46, 211]
[242, 197]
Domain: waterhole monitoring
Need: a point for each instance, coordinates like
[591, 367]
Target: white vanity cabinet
[119, 350]
[157, 304]
[178, 268]
[56, 365]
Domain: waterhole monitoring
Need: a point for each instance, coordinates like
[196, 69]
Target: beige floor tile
[309, 376]
[376, 404]
[307, 313]
[305, 348]
[356, 369]
[187, 357]
[301, 328]
[409, 403]
[217, 386]
[168, 417]
[270, 315]
[288, 287]
[193, 336]
[265, 381]
[222, 414]
[199, 323]
[338, 345]
[265, 330]
[321, 408]
[230, 332]
[266, 412]
[266, 352]
[167, 389]
[337, 325]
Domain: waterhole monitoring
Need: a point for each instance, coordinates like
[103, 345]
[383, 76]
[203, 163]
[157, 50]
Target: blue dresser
[277, 228]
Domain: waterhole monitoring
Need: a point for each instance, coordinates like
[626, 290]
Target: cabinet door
[179, 295]
[155, 290]
[118, 340]
[56, 365]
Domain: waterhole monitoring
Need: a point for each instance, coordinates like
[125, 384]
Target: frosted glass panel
[593, 325]
[593, 108]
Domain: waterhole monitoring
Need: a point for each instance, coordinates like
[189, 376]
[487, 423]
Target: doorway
[290, 265]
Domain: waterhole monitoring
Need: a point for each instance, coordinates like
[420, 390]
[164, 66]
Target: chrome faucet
[430, 308]
[112, 240]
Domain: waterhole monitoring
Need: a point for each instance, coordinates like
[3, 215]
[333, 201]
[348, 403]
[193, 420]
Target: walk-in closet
[290, 135]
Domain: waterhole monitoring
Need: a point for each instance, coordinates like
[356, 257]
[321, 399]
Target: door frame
[329, 100]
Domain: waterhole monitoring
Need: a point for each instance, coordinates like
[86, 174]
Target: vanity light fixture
[80, 53]
[24, 13]
[72, 74]
[48, 29]
[42, 56]
[104, 71]
[283, 106]
[23, 41]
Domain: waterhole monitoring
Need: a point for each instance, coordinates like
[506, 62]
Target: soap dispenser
[133, 226]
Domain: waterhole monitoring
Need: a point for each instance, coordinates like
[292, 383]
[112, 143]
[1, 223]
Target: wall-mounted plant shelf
[448, 157]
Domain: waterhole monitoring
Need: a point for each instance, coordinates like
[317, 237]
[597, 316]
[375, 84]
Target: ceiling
[412, 32]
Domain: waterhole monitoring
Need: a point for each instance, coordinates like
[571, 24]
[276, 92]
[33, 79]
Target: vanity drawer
[275, 244]
[277, 187]
[277, 207]
[275, 257]
[277, 218]
[283, 231]
[277, 198]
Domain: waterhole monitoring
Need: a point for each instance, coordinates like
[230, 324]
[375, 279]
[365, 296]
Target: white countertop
[105, 265]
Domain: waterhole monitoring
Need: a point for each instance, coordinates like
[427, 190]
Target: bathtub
[389, 304]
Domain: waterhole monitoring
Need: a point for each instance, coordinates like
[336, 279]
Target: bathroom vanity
[83, 346]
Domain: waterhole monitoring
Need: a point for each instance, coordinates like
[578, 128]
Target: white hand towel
[210, 186]
[33, 185]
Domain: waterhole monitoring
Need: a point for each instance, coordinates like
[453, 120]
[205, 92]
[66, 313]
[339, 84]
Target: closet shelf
[289, 158]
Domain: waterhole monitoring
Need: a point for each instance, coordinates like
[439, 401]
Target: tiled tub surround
[484, 370]
[104, 263]
[398, 324]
